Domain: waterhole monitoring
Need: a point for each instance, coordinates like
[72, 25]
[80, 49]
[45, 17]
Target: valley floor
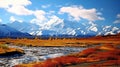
[96, 51]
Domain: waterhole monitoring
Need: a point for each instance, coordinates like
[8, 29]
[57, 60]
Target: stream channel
[33, 54]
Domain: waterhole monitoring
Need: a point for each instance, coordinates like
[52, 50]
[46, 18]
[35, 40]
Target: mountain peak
[66, 27]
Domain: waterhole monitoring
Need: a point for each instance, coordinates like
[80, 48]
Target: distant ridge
[109, 37]
[68, 28]
[6, 31]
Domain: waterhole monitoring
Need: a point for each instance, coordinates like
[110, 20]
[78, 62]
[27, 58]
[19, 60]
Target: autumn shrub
[48, 63]
[97, 54]
[90, 55]
[51, 64]
[66, 60]
[111, 62]
[18, 66]
[115, 63]
[87, 52]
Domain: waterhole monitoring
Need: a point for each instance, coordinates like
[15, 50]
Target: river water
[35, 54]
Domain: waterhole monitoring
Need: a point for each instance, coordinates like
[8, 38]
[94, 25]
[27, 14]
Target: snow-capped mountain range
[64, 28]
[6, 31]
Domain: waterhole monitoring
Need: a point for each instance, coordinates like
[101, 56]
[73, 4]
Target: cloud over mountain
[79, 12]
[76, 17]
[118, 19]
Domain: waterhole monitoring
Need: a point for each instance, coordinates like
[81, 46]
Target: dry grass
[4, 49]
[90, 55]
[109, 51]
[60, 42]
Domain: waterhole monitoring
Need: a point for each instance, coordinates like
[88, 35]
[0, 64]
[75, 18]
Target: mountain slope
[24, 27]
[64, 28]
[6, 31]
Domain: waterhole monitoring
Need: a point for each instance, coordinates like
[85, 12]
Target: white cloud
[78, 12]
[17, 7]
[118, 15]
[12, 19]
[46, 20]
[20, 10]
[9, 3]
[118, 19]
[51, 12]
[40, 17]
[45, 6]
[0, 20]
[40, 14]
[54, 21]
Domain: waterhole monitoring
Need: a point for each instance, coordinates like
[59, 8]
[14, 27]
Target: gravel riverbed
[34, 54]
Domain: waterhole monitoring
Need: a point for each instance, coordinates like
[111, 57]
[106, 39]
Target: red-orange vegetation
[111, 62]
[108, 47]
[96, 54]
[108, 55]
[87, 52]
[67, 60]
[61, 61]
[48, 63]
[107, 63]
[57, 62]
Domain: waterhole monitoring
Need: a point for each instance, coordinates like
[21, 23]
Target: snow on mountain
[24, 27]
[64, 28]
[109, 30]
[6, 31]
[56, 28]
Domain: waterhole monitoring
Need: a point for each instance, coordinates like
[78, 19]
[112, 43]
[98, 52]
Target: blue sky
[41, 12]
